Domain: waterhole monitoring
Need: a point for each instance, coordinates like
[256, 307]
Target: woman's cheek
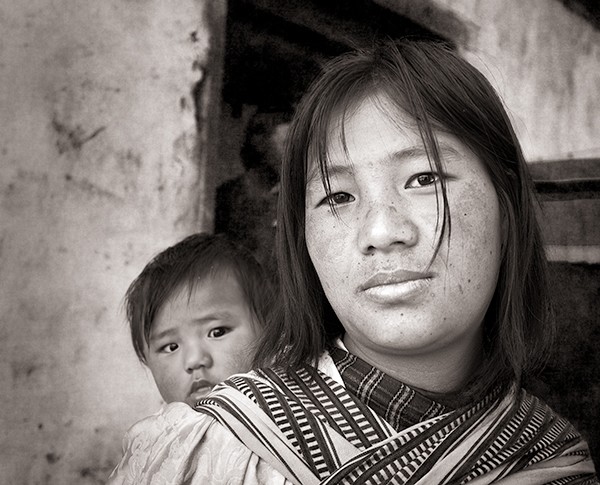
[320, 236]
[325, 242]
[476, 236]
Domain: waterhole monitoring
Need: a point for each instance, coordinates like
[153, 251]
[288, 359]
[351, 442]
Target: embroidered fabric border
[491, 440]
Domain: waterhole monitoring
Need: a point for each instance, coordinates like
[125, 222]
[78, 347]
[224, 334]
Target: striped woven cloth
[314, 431]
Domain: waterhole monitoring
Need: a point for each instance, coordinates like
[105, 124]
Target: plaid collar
[400, 405]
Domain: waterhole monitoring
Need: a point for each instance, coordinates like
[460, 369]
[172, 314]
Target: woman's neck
[444, 371]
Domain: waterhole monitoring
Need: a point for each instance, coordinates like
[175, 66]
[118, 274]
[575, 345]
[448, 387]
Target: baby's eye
[169, 348]
[422, 180]
[218, 332]
[338, 198]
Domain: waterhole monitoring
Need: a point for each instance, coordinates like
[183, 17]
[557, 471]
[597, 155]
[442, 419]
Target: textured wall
[100, 168]
[543, 58]
[546, 62]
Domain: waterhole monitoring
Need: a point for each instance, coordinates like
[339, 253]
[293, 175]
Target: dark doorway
[273, 50]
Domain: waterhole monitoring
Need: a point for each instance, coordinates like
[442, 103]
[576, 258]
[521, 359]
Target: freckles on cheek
[476, 237]
[318, 253]
[321, 237]
[476, 215]
[475, 231]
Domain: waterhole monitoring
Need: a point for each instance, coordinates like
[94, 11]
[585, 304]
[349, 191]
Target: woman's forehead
[336, 132]
[379, 133]
[380, 105]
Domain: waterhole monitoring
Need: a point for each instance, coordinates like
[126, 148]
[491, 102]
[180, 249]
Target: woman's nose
[385, 227]
[196, 357]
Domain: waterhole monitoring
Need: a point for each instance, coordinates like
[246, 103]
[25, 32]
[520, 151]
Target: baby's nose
[197, 357]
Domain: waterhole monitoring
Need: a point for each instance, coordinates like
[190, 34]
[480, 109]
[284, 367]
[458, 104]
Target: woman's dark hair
[441, 92]
[186, 264]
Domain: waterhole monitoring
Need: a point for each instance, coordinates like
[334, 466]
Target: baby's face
[201, 338]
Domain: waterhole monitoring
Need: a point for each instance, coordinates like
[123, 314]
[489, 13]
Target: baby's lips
[200, 393]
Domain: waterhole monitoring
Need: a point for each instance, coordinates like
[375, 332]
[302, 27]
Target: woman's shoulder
[529, 403]
[547, 433]
[180, 445]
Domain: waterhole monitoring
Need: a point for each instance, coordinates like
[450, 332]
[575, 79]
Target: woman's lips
[397, 292]
[396, 286]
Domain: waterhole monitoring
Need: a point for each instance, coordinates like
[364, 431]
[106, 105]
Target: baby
[195, 312]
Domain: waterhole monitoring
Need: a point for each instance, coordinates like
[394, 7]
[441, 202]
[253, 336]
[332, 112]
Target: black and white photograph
[300, 242]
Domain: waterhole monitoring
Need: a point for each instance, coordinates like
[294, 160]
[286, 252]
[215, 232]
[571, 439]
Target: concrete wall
[547, 63]
[103, 163]
[543, 58]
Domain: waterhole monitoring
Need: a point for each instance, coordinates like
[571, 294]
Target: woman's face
[372, 257]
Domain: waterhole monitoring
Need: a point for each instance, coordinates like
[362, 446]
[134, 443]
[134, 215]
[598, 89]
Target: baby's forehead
[217, 275]
[215, 292]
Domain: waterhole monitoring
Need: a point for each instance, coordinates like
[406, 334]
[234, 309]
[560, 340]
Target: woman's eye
[422, 180]
[217, 332]
[339, 198]
[169, 348]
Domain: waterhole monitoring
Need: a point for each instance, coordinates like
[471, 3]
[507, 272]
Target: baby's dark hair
[188, 263]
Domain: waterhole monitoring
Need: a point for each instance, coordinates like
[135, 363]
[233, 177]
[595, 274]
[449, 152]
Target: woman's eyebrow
[446, 151]
[314, 175]
[408, 153]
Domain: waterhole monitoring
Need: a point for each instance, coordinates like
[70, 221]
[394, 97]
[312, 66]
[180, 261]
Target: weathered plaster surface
[543, 58]
[545, 61]
[100, 168]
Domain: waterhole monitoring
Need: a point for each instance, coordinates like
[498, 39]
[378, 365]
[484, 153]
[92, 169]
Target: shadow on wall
[570, 196]
[571, 381]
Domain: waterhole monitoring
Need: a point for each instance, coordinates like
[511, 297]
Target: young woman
[413, 301]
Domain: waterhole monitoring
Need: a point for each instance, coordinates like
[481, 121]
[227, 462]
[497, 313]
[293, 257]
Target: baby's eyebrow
[160, 335]
[211, 317]
[203, 320]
